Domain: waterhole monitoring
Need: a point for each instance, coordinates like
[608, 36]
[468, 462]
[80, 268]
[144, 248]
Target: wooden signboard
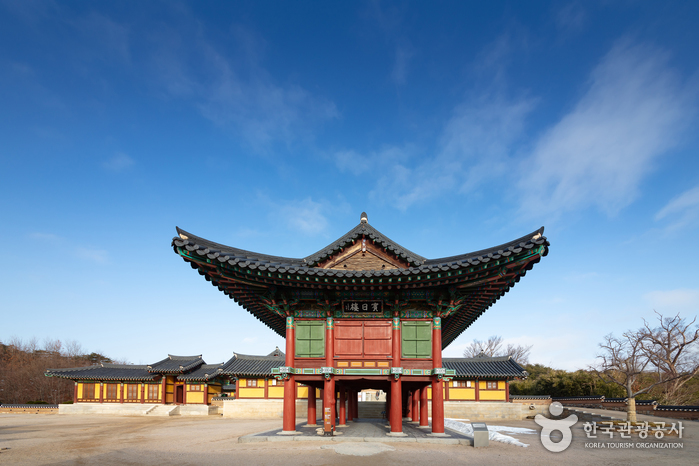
[364, 308]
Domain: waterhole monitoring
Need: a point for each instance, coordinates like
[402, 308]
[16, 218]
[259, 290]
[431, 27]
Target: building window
[251, 383]
[111, 391]
[416, 339]
[89, 391]
[491, 385]
[132, 392]
[310, 339]
[461, 384]
[153, 391]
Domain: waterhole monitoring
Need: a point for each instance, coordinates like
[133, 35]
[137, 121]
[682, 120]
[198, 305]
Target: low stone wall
[265, 409]
[119, 409]
[485, 410]
[29, 409]
[198, 410]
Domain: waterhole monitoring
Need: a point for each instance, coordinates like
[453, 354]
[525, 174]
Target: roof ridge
[187, 358]
[364, 229]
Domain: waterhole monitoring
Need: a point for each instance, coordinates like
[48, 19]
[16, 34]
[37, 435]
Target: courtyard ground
[40, 439]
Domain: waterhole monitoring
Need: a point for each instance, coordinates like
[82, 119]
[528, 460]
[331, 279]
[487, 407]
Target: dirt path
[59, 439]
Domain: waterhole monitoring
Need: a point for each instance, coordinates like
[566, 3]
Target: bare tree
[622, 362]
[22, 368]
[667, 348]
[492, 347]
[671, 348]
[519, 353]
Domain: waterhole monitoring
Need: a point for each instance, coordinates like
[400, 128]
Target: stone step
[163, 410]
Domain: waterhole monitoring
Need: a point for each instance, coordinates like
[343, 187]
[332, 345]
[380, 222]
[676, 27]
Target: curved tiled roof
[176, 364]
[104, 372]
[245, 364]
[203, 373]
[485, 367]
[255, 261]
[461, 287]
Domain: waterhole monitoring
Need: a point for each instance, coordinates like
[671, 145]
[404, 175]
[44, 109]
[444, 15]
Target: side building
[244, 388]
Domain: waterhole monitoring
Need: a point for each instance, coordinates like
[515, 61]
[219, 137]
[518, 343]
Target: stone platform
[360, 430]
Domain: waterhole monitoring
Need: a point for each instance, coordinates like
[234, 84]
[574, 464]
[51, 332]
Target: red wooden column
[143, 392]
[424, 408]
[312, 415]
[416, 405]
[343, 409]
[121, 393]
[101, 392]
[507, 391]
[396, 410]
[206, 393]
[329, 383]
[163, 389]
[289, 422]
[75, 393]
[437, 388]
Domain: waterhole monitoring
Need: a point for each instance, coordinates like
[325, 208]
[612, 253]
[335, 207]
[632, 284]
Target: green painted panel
[416, 341]
[310, 339]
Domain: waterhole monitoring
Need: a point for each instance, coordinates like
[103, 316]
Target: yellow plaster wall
[80, 390]
[501, 384]
[275, 392]
[481, 385]
[491, 395]
[251, 392]
[302, 392]
[462, 394]
[195, 397]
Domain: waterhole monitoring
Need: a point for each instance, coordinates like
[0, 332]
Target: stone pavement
[361, 430]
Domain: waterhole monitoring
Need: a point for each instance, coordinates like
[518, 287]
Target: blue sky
[271, 126]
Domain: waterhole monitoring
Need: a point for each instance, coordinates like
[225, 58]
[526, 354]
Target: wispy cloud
[634, 111]
[570, 17]
[47, 237]
[390, 22]
[119, 162]
[683, 209]
[680, 300]
[99, 256]
[306, 216]
[404, 53]
[235, 91]
[473, 149]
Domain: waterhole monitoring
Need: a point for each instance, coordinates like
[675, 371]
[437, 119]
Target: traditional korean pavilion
[365, 313]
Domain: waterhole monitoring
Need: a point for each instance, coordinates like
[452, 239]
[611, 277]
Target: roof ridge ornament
[364, 218]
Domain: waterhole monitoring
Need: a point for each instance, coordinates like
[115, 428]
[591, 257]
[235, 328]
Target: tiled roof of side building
[104, 372]
[176, 364]
[245, 364]
[485, 367]
[203, 373]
